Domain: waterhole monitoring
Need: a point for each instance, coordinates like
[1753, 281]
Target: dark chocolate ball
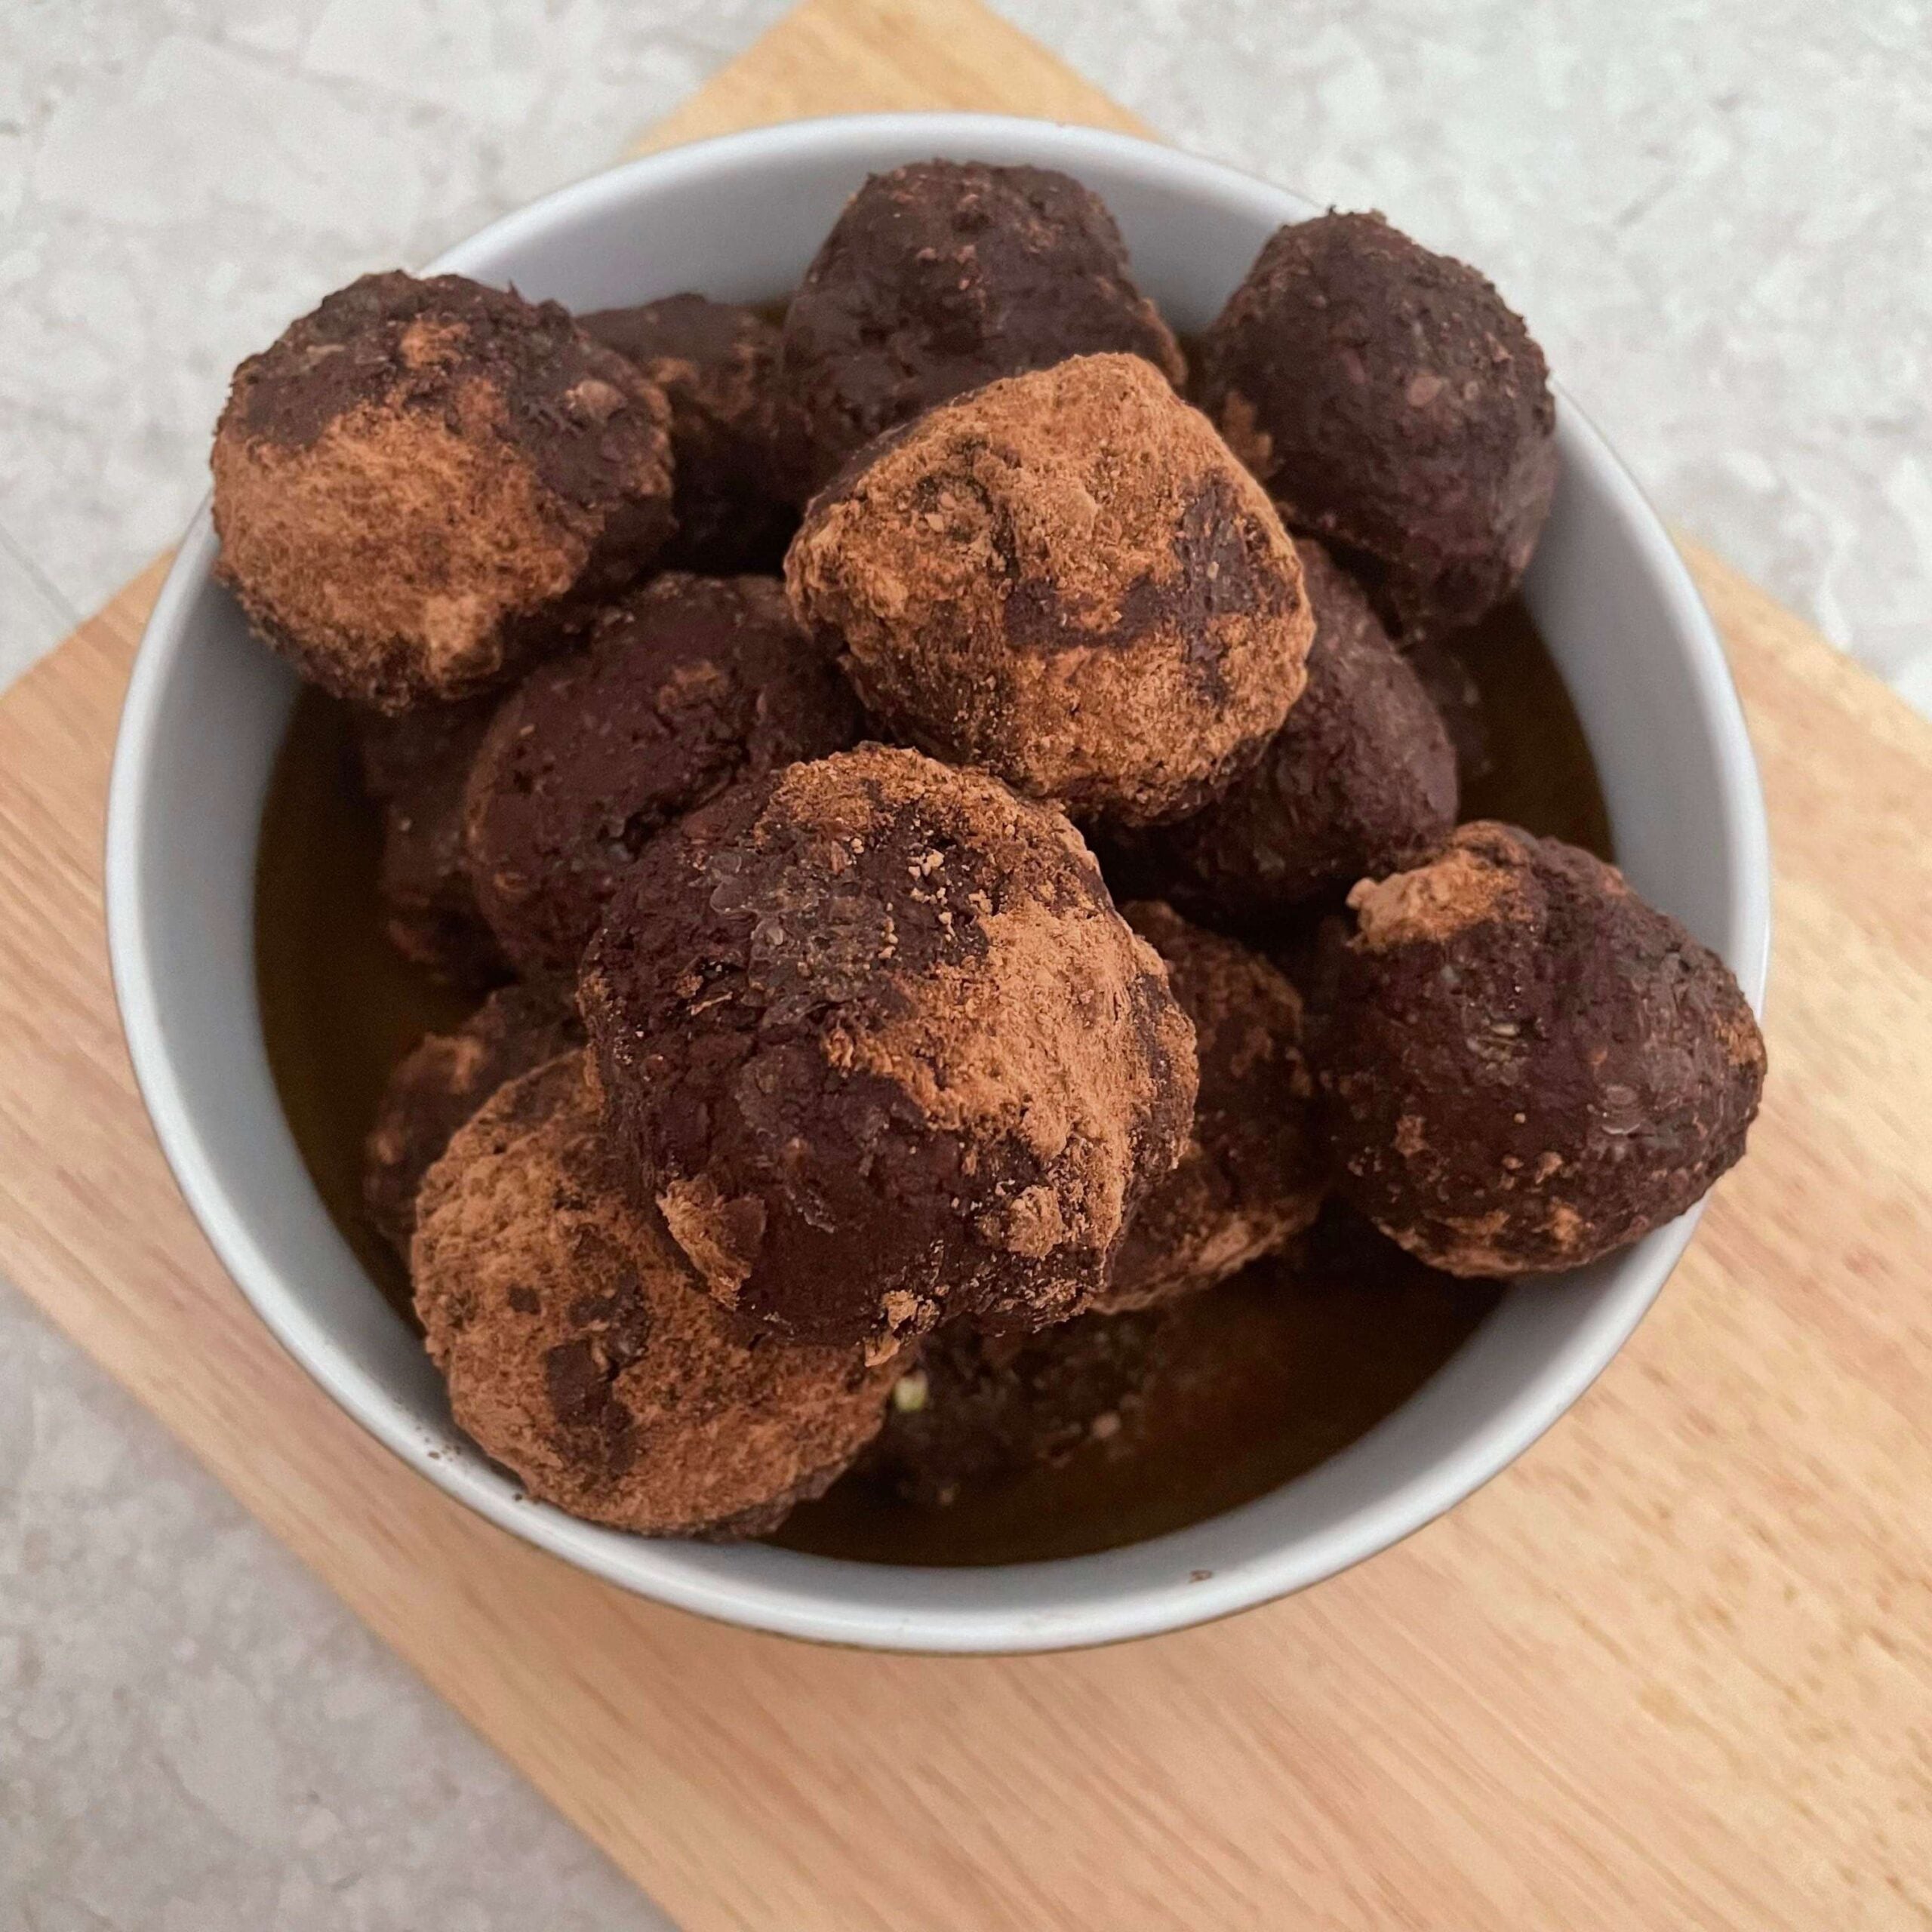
[1342, 1253]
[1395, 407]
[882, 1051]
[419, 482]
[1523, 1066]
[1064, 577]
[415, 763]
[580, 1353]
[687, 686]
[717, 363]
[1256, 1166]
[979, 1409]
[1360, 780]
[1442, 665]
[441, 1082]
[940, 276]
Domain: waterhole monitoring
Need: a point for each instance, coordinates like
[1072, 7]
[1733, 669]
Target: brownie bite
[415, 765]
[940, 277]
[880, 1050]
[441, 1082]
[1360, 780]
[1065, 578]
[422, 480]
[686, 687]
[717, 363]
[1395, 407]
[1256, 1166]
[1523, 1066]
[578, 1354]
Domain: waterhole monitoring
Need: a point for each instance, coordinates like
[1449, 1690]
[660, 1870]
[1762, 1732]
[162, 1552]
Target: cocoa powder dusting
[875, 1033]
[1463, 888]
[580, 1352]
[1065, 577]
[419, 472]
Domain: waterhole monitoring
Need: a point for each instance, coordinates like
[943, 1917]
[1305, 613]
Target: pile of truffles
[748, 696]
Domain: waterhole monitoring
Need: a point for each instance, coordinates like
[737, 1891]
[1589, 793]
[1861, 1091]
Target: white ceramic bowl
[739, 218]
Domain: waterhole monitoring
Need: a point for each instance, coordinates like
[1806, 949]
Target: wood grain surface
[880, 56]
[1673, 1668]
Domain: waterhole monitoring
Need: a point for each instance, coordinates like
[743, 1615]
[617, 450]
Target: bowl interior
[740, 218]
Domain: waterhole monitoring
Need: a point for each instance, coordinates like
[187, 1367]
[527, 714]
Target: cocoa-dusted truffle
[441, 1082]
[415, 765]
[1524, 1066]
[1395, 406]
[687, 686]
[1360, 780]
[942, 275]
[1064, 577]
[979, 1408]
[883, 1052]
[717, 363]
[1256, 1167]
[579, 1353]
[418, 481]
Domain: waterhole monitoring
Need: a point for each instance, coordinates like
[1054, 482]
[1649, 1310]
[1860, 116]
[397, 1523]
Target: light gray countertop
[1713, 216]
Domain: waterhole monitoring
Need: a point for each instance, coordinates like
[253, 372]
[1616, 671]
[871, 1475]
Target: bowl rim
[653, 1567]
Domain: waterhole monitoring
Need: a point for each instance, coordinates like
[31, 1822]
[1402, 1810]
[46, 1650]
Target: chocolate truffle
[1443, 668]
[579, 1353]
[1256, 1168]
[415, 765]
[441, 1082]
[419, 480]
[882, 1051]
[981, 1408]
[1343, 1252]
[1360, 780]
[941, 276]
[688, 685]
[1065, 578]
[1395, 407]
[1524, 1066]
[718, 365]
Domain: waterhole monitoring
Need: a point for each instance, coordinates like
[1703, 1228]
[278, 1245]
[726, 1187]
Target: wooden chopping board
[1673, 1669]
